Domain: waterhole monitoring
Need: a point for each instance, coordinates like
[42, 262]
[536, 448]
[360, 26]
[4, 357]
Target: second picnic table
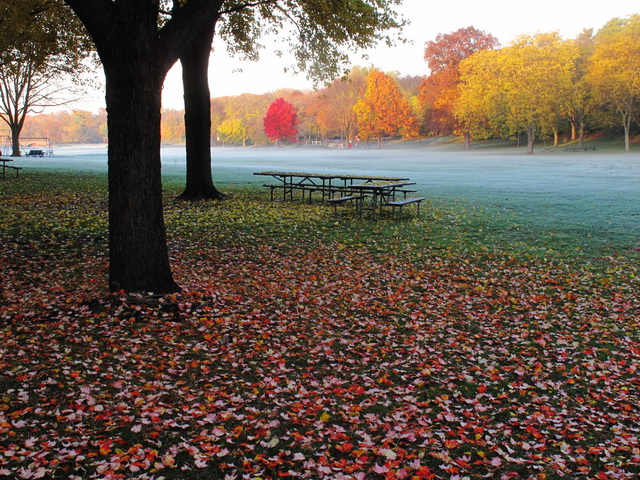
[328, 184]
[379, 191]
[383, 194]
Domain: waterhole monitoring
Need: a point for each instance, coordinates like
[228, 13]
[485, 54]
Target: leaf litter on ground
[306, 346]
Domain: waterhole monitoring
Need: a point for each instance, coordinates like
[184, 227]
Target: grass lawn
[462, 344]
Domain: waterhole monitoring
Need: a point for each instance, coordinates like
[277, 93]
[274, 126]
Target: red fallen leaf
[345, 447]
[423, 472]
[533, 431]
[105, 447]
[451, 444]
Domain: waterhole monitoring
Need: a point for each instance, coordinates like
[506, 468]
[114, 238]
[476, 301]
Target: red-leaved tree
[281, 121]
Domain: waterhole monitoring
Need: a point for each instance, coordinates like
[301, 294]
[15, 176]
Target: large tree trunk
[136, 57]
[197, 118]
[138, 252]
[580, 128]
[15, 139]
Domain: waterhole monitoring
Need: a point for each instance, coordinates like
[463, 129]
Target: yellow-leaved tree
[384, 111]
[233, 130]
[520, 88]
[480, 107]
[614, 69]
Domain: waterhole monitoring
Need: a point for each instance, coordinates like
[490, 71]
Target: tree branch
[247, 5]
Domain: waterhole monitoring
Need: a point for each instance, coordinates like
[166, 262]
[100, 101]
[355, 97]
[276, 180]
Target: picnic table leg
[374, 204]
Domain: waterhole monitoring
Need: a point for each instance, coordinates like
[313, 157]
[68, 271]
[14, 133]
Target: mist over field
[592, 192]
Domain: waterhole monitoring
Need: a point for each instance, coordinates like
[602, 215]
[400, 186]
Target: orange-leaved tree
[384, 111]
[439, 90]
[335, 115]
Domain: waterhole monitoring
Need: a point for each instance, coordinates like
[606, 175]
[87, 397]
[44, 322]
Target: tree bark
[136, 57]
[467, 140]
[15, 139]
[139, 259]
[197, 118]
[531, 136]
[627, 129]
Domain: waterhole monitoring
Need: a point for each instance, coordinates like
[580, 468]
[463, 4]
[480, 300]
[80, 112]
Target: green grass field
[485, 339]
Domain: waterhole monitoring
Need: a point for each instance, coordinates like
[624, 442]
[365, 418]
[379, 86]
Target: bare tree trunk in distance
[531, 137]
[467, 140]
[197, 118]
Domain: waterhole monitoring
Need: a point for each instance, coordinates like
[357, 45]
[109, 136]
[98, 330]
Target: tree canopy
[520, 88]
[281, 121]
[439, 90]
[614, 69]
[384, 111]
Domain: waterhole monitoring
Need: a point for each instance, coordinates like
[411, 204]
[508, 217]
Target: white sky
[504, 19]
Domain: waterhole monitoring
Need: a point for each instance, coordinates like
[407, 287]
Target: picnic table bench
[357, 199]
[399, 204]
[4, 162]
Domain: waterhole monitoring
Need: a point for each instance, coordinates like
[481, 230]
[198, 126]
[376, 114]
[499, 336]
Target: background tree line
[540, 86]
[324, 114]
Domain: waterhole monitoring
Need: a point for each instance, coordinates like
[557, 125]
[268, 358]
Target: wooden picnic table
[372, 195]
[328, 184]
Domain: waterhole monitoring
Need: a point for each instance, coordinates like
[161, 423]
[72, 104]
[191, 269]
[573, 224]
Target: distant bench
[35, 153]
